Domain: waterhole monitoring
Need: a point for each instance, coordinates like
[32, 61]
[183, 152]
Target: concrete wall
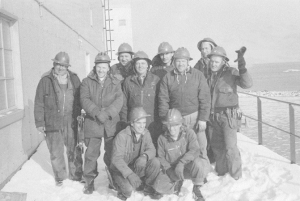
[39, 36]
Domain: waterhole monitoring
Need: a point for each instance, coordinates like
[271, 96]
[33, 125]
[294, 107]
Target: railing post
[292, 131]
[259, 118]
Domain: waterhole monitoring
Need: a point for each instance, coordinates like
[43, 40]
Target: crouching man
[180, 158]
[133, 162]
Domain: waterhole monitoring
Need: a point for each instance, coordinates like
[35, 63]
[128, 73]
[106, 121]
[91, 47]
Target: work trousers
[56, 142]
[195, 170]
[149, 174]
[224, 145]
[92, 154]
[191, 121]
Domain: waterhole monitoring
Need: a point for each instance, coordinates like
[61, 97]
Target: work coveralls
[98, 96]
[183, 150]
[189, 93]
[126, 150]
[137, 94]
[225, 118]
[56, 108]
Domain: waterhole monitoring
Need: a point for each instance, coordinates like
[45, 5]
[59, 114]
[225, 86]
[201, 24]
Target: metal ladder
[107, 28]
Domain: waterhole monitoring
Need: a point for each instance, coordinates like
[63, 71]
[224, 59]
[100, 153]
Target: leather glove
[171, 174]
[179, 171]
[102, 117]
[241, 61]
[134, 180]
[140, 164]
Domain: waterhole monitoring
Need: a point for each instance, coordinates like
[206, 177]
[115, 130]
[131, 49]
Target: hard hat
[206, 40]
[173, 118]
[124, 48]
[164, 47]
[141, 55]
[218, 51]
[182, 53]
[137, 113]
[62, 58]
[102, 57]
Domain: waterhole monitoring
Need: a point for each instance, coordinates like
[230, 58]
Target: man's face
[139, 125]
[166, 57]
[141, 67]
[216, 63]
[205, 49]
[102, 69]
[124, 58]
[60, 69]
[174, 130]
[181, 65]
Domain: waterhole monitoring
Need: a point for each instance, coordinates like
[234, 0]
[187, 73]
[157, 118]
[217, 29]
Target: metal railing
[291, 120]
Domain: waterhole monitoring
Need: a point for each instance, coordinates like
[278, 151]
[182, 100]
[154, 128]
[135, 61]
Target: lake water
[276, 114]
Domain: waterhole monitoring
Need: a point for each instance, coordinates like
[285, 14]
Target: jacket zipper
[64, 104]
[142, 98]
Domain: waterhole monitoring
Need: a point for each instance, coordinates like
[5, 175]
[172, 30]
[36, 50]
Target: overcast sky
[270, 29]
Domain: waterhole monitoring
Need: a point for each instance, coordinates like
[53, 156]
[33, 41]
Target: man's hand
[41, 130]
[134, 180]
[240, 53]
[201, 125]
[179, 171]
[102, 117]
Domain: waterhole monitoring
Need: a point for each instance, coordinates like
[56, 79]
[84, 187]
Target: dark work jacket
[185, 149]
[47, 112]
[122, 153]
[203, 67]
[188, 93]
[224, 89]
[95, 98]
[137, 95]
[159, 68]
[125, 71]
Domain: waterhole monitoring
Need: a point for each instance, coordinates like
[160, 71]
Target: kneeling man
[180, 158]
[133, 162]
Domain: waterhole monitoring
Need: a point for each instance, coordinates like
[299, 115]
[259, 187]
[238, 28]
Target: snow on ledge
[266, 176]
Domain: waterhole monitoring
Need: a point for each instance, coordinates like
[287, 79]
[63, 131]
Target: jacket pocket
[226, 89]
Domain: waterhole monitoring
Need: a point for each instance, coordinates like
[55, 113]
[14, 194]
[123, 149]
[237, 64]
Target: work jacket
[203, 67]
[47, 107]
[187, 92]
[125, 71]
[95, 97]
[224, 87]
[185, 149]
[159, 68]
[140, 95]
[122, 153]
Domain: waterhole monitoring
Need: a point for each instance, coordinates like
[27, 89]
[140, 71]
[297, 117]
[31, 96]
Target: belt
[223, 109]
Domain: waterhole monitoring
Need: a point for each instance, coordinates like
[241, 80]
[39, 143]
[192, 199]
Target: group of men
[160, 118]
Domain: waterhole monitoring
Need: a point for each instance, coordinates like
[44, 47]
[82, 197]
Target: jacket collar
[188, 70]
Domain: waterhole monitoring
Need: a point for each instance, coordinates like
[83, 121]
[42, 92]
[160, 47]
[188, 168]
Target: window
[7, 88]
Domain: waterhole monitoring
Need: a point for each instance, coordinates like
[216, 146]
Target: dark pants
[92, 154]
[208, 132]
[196, 170]
[224, 146]
[155, 128]
[151, 170]
[56, 142]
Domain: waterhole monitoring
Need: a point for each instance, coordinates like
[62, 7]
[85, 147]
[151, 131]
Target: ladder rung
[109, 29]
[109, 20]
[109, 40]
[108, 9]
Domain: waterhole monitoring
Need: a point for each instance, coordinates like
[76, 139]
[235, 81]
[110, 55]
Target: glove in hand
[179, 171]
[134, 180]
[140, 164]
[102, 117]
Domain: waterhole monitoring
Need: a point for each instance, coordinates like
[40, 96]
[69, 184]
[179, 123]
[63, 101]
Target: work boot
[89, 188]
[121, 196]
[197, 193]
[177, 187]
[153, 194]
[58, 182]
[141, 187]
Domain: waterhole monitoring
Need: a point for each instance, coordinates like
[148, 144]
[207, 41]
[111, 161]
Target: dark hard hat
[124, 48]
[102, 57]
[206, 40]
[164, 47]
[218, 51]
[62, 58]
[137, 113]
[173, 118]
[141, 55]
[182, 53]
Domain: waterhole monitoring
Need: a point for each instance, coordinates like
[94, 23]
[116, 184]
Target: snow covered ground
[266, 176]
